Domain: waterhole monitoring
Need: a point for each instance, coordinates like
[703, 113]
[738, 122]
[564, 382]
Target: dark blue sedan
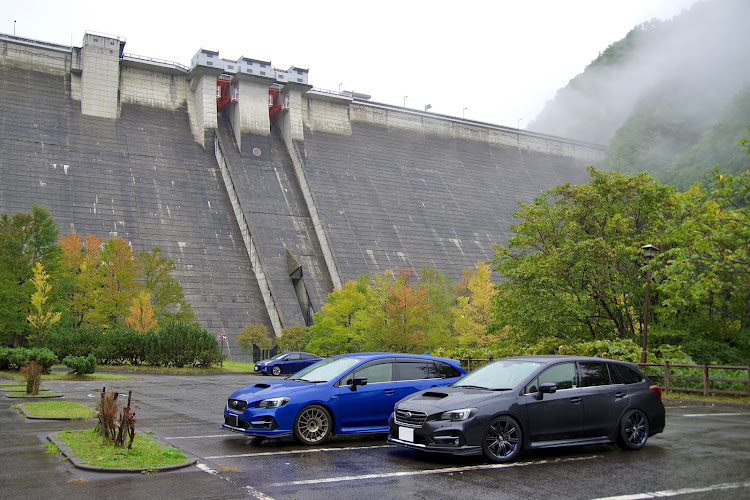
[286, 362]
[345, 394]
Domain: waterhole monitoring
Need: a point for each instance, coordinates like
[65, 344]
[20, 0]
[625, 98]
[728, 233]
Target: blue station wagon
[345, 394]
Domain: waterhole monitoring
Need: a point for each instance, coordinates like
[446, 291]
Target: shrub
[4, 358]
[81, 365]
[14, 359]
[68, 341]
[122, 345]
[180, 344]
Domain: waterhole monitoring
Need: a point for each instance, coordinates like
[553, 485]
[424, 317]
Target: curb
[49, 396]
[80, 464]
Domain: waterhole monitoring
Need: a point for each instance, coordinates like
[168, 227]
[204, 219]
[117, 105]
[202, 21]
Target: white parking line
[251, 491]
[202, 437]
[714, 414]
[446, 470]
[682, 491]
[297, 452]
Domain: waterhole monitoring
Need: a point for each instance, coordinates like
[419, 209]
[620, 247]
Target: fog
[701, 58]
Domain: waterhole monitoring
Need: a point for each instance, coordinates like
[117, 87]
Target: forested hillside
[671, 98]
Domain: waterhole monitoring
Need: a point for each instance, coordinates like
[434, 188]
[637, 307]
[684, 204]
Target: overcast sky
[494, 61]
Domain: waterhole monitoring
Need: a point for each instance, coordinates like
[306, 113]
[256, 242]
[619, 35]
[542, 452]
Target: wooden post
[102, 423]
[666, 376]
[748, 379]
[468, 365]
[705, 379]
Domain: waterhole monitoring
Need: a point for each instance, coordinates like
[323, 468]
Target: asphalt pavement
[703, 453]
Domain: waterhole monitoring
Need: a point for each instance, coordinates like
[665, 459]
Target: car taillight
[656, 389]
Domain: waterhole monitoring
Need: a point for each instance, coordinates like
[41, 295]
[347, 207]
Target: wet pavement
[703, 453]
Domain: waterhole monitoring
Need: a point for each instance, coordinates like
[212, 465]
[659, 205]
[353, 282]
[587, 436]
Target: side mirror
[547, 388]
[357, 381]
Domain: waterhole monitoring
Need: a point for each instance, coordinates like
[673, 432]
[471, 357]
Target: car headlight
[457, 415]
[273, 402]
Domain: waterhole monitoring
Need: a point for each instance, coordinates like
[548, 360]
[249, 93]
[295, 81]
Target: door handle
[389, 392]
[575, 401]
[620, 395]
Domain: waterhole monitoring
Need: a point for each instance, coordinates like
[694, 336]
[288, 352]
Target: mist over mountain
[672, 97]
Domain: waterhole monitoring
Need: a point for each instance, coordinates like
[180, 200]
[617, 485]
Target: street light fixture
[649, 252]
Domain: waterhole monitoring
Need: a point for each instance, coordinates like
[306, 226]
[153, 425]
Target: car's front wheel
[502, 440]
[312, 425]
[633, 430]
[276, 370]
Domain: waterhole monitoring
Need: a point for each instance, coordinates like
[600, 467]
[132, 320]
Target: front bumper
[433, 448]
[438, 436]
[261, 425]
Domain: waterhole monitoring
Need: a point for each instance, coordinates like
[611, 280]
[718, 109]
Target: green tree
[574, 269]
[294, 338]
[42, 316]
[256, 334]
[440, 297]
[705, 283]
[337, 328]
[167, 296]
[25, 239]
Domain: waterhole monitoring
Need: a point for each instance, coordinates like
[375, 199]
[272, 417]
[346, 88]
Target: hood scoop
[262, 386]
[434, 395]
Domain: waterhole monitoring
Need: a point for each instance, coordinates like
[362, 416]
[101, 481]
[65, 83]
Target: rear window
[416, 370]
[593, 374]
[446, 371]
[628, 375]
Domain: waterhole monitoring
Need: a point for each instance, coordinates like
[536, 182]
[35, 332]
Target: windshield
[326, 370]
[501, 374]
[278, 356]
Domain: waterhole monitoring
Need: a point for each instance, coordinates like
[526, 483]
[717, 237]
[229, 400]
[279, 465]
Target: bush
[68, 341]
[81, 365]
[4, 358]
[180, 344]
[14, 359]
[122, 345]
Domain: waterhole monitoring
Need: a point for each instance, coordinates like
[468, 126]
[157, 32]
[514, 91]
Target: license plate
[406, 434]
[233, 420]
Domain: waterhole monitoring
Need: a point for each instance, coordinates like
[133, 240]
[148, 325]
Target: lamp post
[649, 252]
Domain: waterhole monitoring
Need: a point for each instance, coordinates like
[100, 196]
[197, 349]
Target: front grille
[410, 418]
[236, 405]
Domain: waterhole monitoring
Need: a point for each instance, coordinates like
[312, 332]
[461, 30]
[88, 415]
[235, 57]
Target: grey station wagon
[531, 402]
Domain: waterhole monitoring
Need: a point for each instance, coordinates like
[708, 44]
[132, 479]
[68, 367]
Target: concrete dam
[266, 192]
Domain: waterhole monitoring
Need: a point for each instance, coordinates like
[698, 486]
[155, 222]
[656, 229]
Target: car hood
[263, 390]
[447, 398]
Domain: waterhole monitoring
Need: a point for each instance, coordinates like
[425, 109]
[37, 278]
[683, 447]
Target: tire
[276, 370]
[502, 440]
[312, 425]
[633, 430]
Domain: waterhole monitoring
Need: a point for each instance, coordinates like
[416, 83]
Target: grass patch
[146, 454]
[16, 388]
[59, 409]
[61, 375]
[41, 394]
[686, 396]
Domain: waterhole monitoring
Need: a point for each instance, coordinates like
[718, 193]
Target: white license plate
[406, 434]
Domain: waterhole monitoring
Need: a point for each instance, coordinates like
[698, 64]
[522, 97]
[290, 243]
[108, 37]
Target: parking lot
[703, 453]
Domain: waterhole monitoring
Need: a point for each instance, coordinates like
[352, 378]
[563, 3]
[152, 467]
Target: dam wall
[266, 192]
